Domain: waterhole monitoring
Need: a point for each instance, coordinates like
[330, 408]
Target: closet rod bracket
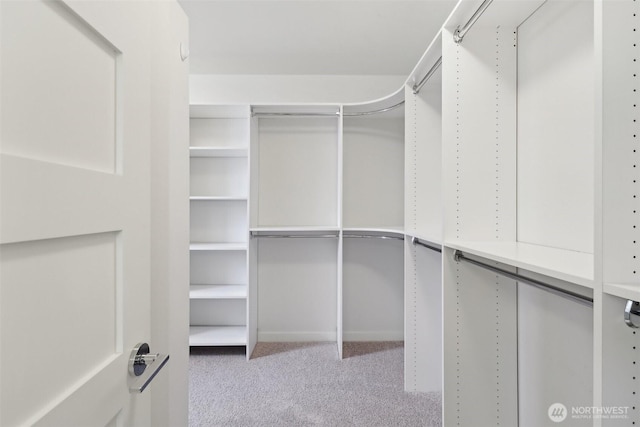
[457, 38]
[632, 308]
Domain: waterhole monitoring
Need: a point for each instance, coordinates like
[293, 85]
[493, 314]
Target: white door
[74, 206]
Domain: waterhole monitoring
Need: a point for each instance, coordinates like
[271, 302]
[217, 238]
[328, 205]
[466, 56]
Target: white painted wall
[290, 89]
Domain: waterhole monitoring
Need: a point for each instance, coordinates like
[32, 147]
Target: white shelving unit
[219, 291]
[520, 151]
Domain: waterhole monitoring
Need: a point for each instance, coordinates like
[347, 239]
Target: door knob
[144, 366]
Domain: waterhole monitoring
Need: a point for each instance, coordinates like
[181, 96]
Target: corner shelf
[570, 266]
[200, 336]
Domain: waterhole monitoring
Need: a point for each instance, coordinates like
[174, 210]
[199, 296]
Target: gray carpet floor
[305, 384]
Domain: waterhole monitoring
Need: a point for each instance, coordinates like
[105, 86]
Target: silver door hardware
[144, 366]
[630, 310]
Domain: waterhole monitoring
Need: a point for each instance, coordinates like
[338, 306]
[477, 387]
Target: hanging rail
[419, 242]
[372, 236]
[425, 79]
[295, 236]
[294, 114]
[576, 297]
[459, 33]
[382, 110]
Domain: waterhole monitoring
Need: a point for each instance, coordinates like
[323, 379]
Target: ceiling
[329, 37]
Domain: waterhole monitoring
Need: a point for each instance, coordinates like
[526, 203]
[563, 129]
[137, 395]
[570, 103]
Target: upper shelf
[218, 152]
[499, 12]
[570, 266]
[219, 111]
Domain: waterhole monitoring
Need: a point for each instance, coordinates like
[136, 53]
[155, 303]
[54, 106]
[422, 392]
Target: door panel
[61, 57]
[74, 204]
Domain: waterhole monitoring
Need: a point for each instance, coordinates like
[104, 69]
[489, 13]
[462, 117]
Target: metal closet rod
[294, 114]
[381, 110]
[425, 79]
[295, 236]
[372, 236]
[573, 296]
[419, 242]
[459, 33]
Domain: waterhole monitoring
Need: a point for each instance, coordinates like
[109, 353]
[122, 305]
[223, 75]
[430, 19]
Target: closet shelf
[217, 335]
[623, 290]
[201, 246]
[570, 266]
[374, 230]
[219, 198]
[302, 231]
[217, 291]
[218, 152]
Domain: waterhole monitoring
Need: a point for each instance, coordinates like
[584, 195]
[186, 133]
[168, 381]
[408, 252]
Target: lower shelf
[200, 336]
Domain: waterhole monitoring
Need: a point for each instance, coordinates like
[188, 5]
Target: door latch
[144, 366]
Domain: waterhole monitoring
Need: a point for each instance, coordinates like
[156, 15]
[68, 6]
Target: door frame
[170, 214]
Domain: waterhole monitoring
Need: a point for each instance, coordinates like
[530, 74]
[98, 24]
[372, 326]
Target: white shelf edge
[201, 246]
[384, 230]
[217, 292]
[217, 111]
[569, 266]
[297, 228]
[233, 152]
[623, 290]
[200, 336]
[219, 198]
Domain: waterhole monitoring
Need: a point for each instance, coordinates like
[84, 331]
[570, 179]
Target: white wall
[275, 89]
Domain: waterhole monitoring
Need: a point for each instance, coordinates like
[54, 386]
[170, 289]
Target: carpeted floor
[304, 384]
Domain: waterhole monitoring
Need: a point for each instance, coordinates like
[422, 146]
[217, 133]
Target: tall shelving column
[423, 224]
[294, 222]
[617, 27]
[219, 152]
[518, 196]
